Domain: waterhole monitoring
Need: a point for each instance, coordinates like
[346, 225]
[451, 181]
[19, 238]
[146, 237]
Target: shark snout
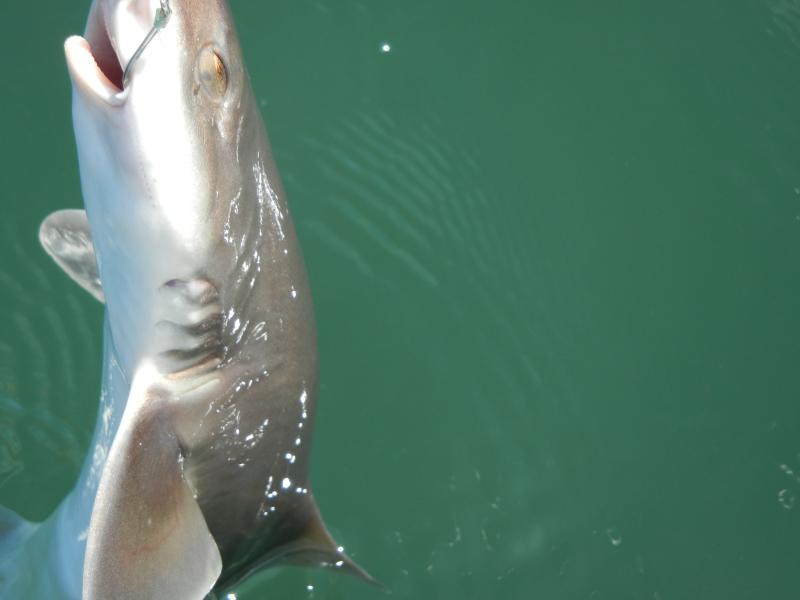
[114, 32]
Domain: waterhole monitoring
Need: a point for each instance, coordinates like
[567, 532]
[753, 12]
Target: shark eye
[212, 72]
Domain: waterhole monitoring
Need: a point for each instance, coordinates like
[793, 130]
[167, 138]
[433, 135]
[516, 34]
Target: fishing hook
[162, 16]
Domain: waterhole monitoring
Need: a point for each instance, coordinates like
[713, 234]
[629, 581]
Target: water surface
[554, 251]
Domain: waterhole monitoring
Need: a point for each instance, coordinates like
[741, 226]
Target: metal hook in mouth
[162, 16]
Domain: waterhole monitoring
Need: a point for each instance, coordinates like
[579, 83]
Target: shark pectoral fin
[66, 237]
[147, 538]
[315, 547]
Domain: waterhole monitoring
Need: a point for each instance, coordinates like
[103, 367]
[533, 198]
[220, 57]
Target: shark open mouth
[93, 62]
[104, 54]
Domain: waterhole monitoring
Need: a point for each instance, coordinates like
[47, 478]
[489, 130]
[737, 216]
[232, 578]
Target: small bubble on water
[614, 536]
[786, 499]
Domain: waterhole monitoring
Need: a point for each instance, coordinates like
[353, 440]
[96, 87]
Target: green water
[554, 248]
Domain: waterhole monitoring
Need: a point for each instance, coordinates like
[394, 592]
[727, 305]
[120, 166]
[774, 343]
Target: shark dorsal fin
[66, 237]
[301, 540]
[315, 547]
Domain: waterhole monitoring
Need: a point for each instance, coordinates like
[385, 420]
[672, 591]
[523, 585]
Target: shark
[198, 471]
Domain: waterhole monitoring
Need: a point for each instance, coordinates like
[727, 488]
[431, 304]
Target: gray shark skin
[198, 474]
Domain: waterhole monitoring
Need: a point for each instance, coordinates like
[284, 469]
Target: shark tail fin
[315, 547]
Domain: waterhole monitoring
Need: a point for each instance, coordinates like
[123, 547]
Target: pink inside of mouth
[102, 50]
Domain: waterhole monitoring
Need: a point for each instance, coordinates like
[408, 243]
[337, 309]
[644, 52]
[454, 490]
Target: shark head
[183, 106]
[160, 152]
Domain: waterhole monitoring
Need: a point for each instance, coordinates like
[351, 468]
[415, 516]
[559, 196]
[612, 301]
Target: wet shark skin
[208, 309]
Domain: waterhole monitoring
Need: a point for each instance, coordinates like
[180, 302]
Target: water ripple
[785, 16]
[49, 374]
[408, 209]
